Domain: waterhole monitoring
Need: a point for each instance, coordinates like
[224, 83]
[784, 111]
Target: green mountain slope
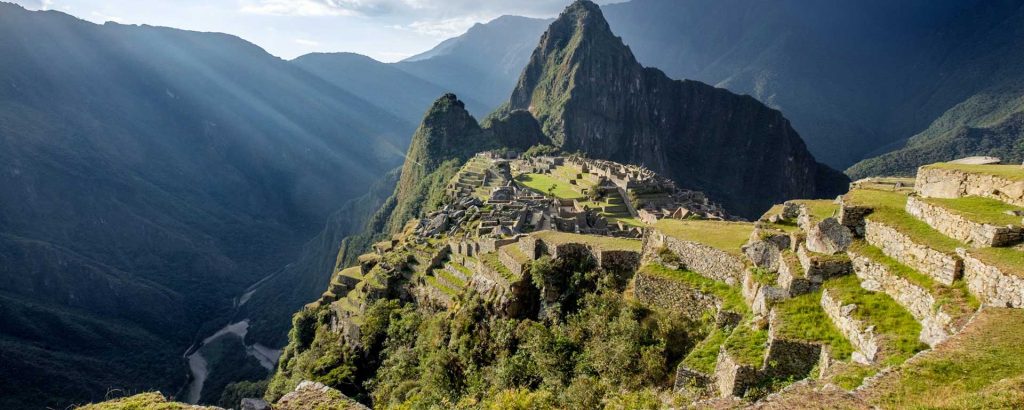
[148, 176]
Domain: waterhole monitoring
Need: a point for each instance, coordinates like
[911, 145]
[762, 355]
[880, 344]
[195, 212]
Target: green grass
[802, 318]
[820, 209]
[704, 355]
[747, 345]
[448, 277]
[1010, 172]
[981, 368]
[889, 209]
[436, 284]
[957, 300]
[464, 270]
[793, 262]
[354, 272]
[725, 236]
[764, 276]
[549, 185]
[516, 253]
[730, 296]
[605, 243]
[852, 375]
[1010, 261]
[898, 328]
[144, 401]
[491, 260]
[979, 209]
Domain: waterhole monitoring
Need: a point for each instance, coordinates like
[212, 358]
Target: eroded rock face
[254, 404]
[313, 395]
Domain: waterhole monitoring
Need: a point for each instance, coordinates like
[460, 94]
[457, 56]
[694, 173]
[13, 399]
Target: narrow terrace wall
[674, 295]
[943, 267]
[951, 183]
[705, 260]
[963, 229]
[862, 337]
[990, 284]
[936, 324]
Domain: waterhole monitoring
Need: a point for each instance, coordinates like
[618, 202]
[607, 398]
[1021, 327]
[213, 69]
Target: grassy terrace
[354, 272]
[979, 209]
[462, 269]
[491, 260]
[449, 278]
[730, 296]
[899, 330]
[1008, 260]
[889, 209]
[820, 208]
[1010, 172]
[436, 284]
[793, 263]
[956, 299]
[548, 185]
[747, 345]
[982, 368]
[605, 243]
[516, 253]
[704, 355]
[725, 236]
[802, 318]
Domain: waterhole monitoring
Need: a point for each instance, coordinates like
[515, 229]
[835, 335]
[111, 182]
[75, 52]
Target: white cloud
[305, 42]
[303, 8]
[97, 16]
[445, 27]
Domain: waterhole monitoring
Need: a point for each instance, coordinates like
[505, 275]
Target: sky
[387, 30]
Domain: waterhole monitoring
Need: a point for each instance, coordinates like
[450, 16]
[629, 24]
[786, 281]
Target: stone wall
[937, 325]
[618, 261]
[948, 183]
[852, 217]
[515, 266]
[945, 268]
[862, 337]
[786, 358]
[991, 285]
[818, 268]
[957, 227]
[671, 294]
[732, 378]
[705, 260]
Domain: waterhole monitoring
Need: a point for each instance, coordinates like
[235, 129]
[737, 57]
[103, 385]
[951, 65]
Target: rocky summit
[590, 94]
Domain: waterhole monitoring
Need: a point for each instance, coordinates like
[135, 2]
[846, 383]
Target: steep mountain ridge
[590, 94]
[148, 176]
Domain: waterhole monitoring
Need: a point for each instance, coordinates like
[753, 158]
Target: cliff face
[590, 94]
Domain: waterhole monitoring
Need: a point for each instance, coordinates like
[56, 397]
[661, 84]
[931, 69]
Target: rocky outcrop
[313, 395]
[828, 237]
[937, 181]
[852, 216]
[943, 267]
[960, 228]
[590, 94]
[937, 325]
[992, 285]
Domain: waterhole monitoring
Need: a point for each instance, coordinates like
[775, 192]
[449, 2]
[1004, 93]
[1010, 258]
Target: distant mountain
[590, 94]
[148, 176]
[481, 65]
[854, 77]
[401, 94]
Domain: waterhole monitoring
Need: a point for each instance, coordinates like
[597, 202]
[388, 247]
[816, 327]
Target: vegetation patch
[144, 401]
[747, 345]
[979, 209]
[888, 208]
[957, 300]
[899, 329]
[1009, 260]
[982, 368]
[704, 355]
[551, 186]
[852, 375]
[725, 236]
[819, 209]
[802, 318]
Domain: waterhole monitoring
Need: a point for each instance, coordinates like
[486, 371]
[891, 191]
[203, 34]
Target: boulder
[828, 237]
[254, 404]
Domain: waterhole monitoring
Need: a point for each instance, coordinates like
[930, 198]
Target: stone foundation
[818, 268]
[733, 379]
[671, 294]
[991, 285]
[862, 337]
[949, 183]
[957, 227]
[936, 324]
[852, 217]
[945, 268]
[705, 260]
